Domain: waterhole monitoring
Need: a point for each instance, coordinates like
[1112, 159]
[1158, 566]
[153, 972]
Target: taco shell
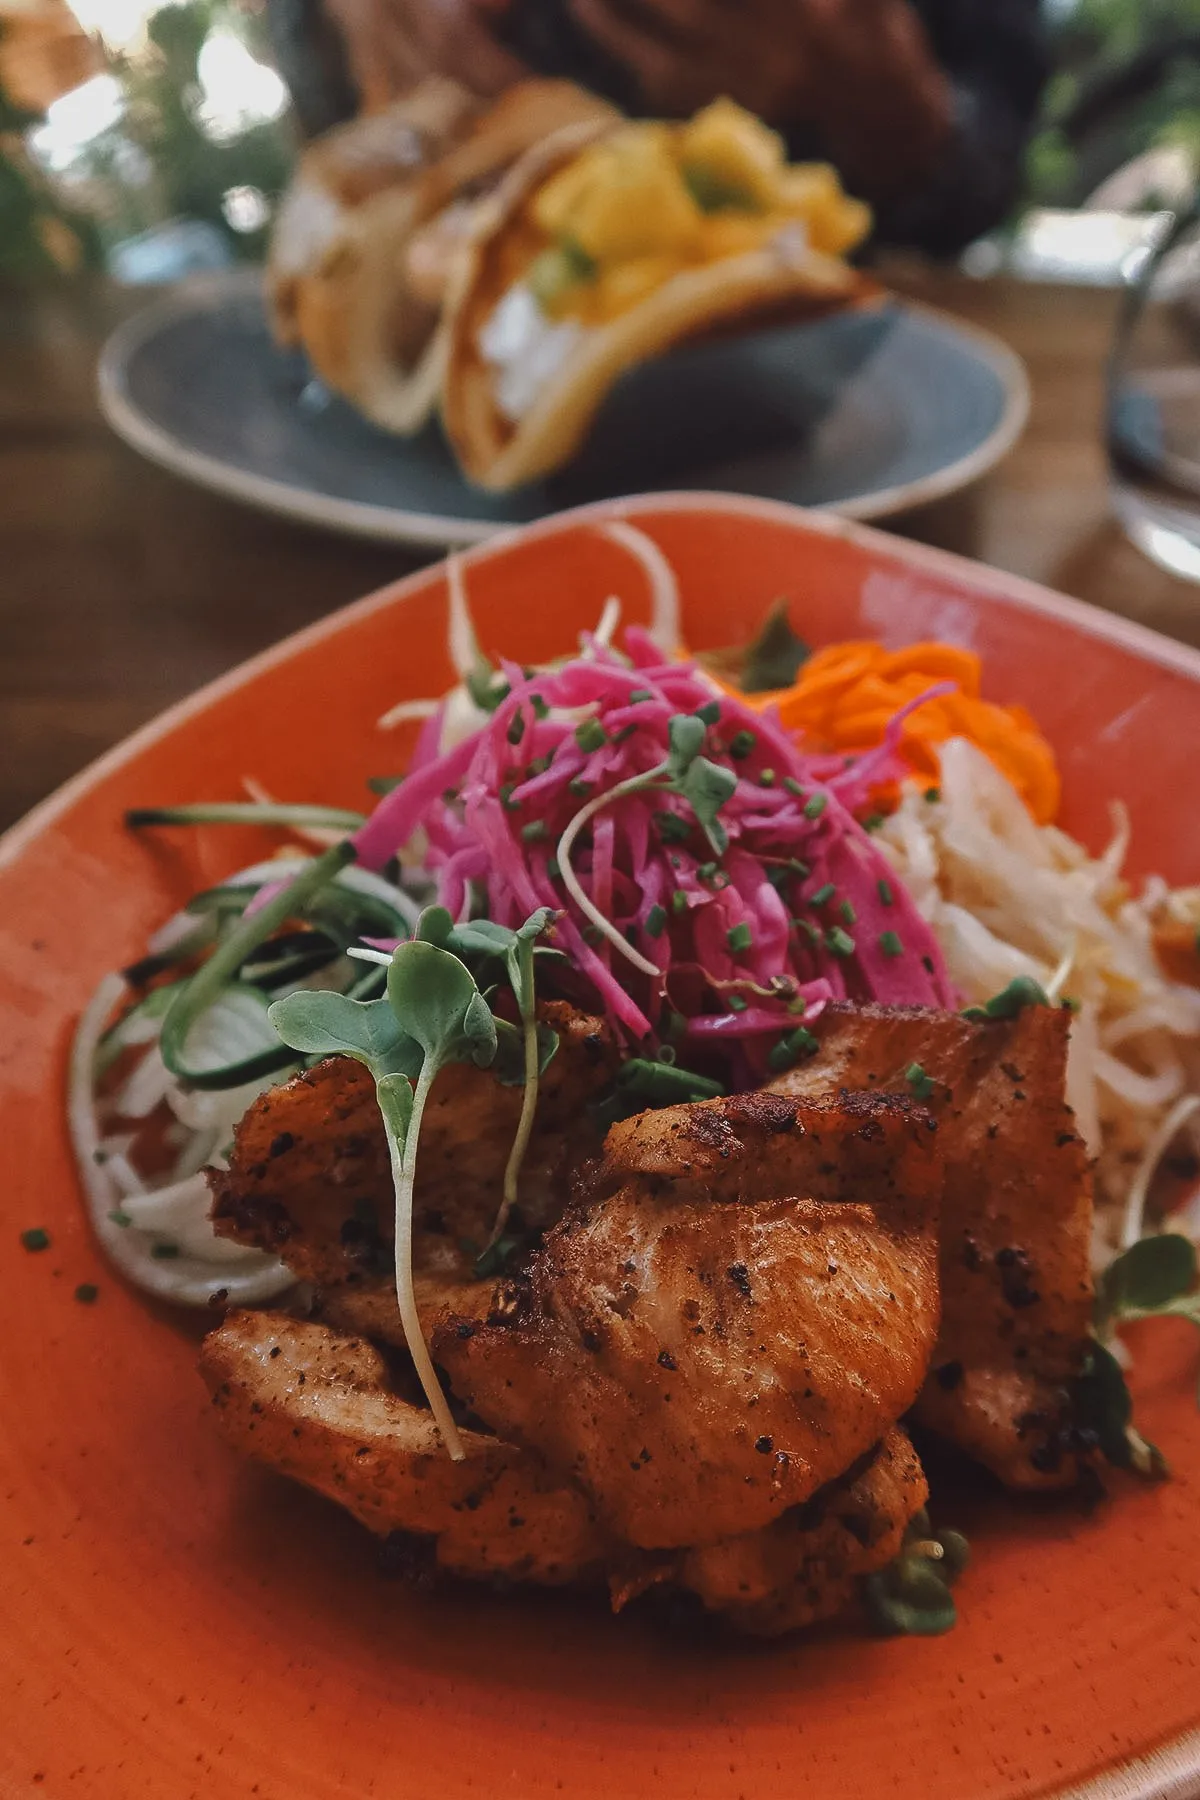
[337, 282]
[720, 272]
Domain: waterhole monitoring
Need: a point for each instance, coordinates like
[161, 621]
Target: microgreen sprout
[911, 1596]
[705, 785]
[434, 1014]
[1155, 1278]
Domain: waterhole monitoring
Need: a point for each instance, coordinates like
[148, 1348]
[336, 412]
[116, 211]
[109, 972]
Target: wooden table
[122, 589]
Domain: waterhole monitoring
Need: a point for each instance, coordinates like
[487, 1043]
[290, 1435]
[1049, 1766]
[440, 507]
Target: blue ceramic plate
[865, 413]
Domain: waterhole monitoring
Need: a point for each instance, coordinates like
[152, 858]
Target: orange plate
[173, 1623]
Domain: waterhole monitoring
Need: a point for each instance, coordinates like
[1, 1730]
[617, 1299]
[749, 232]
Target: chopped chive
[591, 735]
[810, 931]
[766, 778]
[741, 744]
[791, 1048]
[884, 890]
[706, 872]
[592, 935]
[798, 868]
[736, 1002]
[847, 911]
[656, 921]
[920, 1083]
[506, 797]
[626, 731]
[823, 894]
[87, 1293]
[120, 1218]
[539, 765]
[534, 831]
[873, 821]
[793, 786]
[815, 805]
[553, 868]
[540, 708]
[839, 942]
[739, 937]
[710, 712]
[679, 901]
[164, 1251]
[516, 727]
[890, 944]
[35, 1239]
[638, 695]
[577, 786]
[671, 828]
[933, 794]
[1070, 1003]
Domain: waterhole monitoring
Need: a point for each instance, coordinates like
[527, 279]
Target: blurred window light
[121, 24]
[75, 119]
[237, 92]
[245, 208]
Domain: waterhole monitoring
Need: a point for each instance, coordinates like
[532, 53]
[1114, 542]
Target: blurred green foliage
[1093, 41]
[39, 236]
[159, 161]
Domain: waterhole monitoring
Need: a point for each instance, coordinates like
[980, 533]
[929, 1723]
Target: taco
[370, 228]
[607, 246]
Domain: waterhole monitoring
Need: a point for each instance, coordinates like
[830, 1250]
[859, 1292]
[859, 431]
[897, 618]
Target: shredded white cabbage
[1008, 897]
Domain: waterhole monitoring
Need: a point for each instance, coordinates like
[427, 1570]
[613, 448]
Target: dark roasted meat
[741, 1304]
[1016, 1218]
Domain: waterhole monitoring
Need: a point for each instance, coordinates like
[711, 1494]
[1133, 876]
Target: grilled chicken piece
[309, 1178]
[322, 1409]
[1016, 1219]
[741, 1305]
[807, 1565]
[369, 1308]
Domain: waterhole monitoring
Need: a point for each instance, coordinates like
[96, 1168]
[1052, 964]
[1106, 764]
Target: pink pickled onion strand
[743, 948]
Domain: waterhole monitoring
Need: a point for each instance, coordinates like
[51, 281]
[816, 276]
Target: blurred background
[156, 140]
[141, 144]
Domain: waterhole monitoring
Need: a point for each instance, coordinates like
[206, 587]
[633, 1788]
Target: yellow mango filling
[651, 200]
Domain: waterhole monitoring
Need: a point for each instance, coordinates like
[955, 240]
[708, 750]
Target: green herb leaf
[685, 733]
[509, 1066]
[435, 996]
[714, 192]
[775, 656]
[321, 1023]
[706, 787]
[911, 1596]
[1103, 1405]
[434, 926]
[1022, 991]
[1147, 1276]
[921, 1084]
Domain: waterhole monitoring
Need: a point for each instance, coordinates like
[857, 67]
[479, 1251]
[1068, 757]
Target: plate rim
[948, 565]
[1171, 1769]
[400, 525]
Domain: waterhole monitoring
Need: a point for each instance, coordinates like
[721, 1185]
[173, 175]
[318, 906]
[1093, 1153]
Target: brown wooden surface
[122, 589]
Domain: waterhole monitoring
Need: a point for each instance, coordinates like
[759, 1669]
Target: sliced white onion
[194, 1276]
[665, 626]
